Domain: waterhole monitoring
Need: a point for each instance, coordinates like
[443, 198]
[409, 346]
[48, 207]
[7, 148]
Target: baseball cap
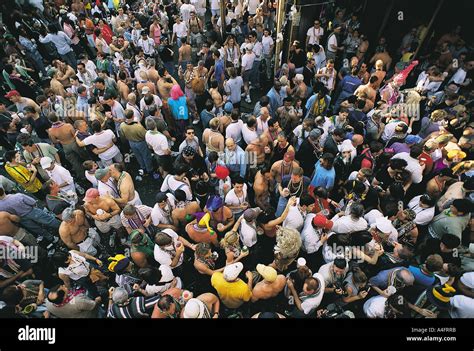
[232, 271]
[46, 162]
[12, 93]
[467, 279]
[384, 225]
[268, 273]
[194, 309]
[321, 221]
[413, 139]
[160, 197]
[145, 90]
[228, 107]
[250, 215]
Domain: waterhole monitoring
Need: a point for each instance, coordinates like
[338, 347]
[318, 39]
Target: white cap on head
[46, 162]
[194, 308]
[384, 225]
[300, 262]
[232, 271]
[468, 279]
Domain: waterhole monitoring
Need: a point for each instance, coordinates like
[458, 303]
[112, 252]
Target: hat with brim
[46, 162]
[268, 273]
[194, 309]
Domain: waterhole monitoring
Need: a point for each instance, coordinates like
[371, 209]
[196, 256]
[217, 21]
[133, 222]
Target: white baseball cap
[46, 162]
[194, 309]
[232, 271]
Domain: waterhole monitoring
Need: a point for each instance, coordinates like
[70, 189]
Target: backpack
[357, 162]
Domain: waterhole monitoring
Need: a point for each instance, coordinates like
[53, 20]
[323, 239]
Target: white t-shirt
[375, 307]
[233, 200]
[234, 131]
[248, 233]
[310, 304]
[314, 35]
[156, 100]
[458, 77]
[267, 43]
[249, 135]
[147, 45]
[157, 141]
[186, 10]
[423, 215]
[162, 256]
[247, 61]
[252, 6]
[107, 188]
[346, 224]
[91, 178]
[294, 219]
[310, 240]
[413, 166]
[215, 5]
[180, 29]
[166, 276]
[171, 184]
[77, 269]
[332, 40]
[157, 215]
[103, 139]
[461, 307]
[61, 175]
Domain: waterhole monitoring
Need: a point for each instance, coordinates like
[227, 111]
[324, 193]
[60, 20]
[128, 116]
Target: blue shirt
[276, 100]
[422, 279]
[235, 160]
[219, 70]
[60, 40]
[323, 177]
[349, 84]
[179, 108]
[17, 204]
[206, 117]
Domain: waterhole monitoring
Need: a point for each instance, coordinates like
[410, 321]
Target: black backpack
[357, 161]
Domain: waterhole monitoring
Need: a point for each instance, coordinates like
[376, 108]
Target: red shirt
[427, 160]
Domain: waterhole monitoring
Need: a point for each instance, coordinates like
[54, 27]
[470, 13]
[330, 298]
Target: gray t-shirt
[233, 87]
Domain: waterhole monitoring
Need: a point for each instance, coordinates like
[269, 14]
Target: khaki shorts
[106, 226]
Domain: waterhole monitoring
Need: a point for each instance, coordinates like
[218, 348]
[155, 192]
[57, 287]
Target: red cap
[91, 193]
[12, 93]
[322, 222]
[222, 172]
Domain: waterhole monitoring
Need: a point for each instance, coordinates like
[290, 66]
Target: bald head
[379, 64]
[264, 112]
[230, 144]
[357, 140]
[406, 277]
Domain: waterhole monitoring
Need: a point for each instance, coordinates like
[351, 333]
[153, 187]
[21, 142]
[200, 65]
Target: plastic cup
[245, 249]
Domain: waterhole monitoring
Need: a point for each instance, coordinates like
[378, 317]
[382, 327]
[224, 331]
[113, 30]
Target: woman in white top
[231, 52]
[74, 266]
[158, 280]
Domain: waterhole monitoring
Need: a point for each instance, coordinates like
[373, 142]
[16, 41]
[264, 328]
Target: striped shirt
[136, 307]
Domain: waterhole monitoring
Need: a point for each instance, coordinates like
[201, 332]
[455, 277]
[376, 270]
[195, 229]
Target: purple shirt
[17, 204]
[400, 147]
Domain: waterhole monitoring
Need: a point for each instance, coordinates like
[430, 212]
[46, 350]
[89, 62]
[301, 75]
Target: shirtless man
[122, 86]
[9, 226]
[216, 96]
[165, 83]
[260, 148]
[152, 73]
[125, 186]
[65, 134]
[271, 285]
[263, 186]
[75, 232]
[55, 84]
[284, 167]
[368, 93]
[380, 73]
[146, 83]
[104, 211]
[184, 53]
[212, 138]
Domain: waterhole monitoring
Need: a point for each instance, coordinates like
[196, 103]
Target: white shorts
[106, 226]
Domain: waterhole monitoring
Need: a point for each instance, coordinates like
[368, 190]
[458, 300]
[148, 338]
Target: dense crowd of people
[339, 185]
